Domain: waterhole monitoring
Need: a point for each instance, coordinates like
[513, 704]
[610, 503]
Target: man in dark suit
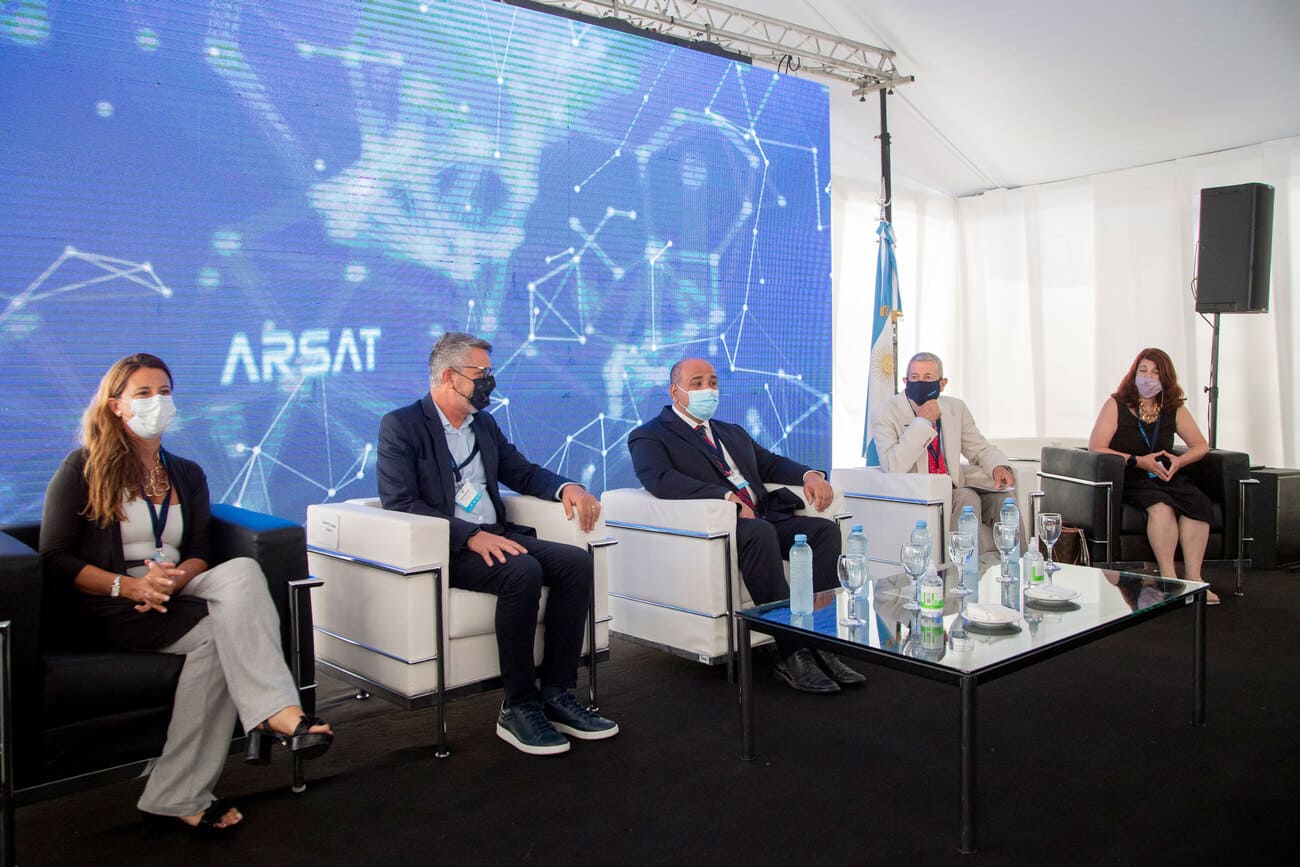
[441, 456]
[685, 454]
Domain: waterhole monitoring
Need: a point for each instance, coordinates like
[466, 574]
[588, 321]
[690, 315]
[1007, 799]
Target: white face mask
[150, 416]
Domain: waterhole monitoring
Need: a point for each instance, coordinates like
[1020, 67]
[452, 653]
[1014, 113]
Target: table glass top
[1002, 621]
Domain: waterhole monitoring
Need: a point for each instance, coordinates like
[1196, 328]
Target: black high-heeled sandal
[303, 743]
[206, 827]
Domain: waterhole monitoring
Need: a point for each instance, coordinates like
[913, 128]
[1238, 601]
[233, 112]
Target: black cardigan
[70, 541]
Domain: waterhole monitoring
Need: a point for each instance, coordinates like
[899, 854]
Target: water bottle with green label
[931, 594]
[1034, 570]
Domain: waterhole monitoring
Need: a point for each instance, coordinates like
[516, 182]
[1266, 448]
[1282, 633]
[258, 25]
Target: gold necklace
[156, 483]
[1148, 415]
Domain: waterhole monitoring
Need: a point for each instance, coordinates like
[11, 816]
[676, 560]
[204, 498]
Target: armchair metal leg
[298, 591]
[592, 692]
[731, 611]
[306, 691]
[441, 664]
[8, 849]
[591, 647]
[1242, 538]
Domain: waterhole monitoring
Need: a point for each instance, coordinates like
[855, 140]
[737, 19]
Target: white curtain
[1038, 298]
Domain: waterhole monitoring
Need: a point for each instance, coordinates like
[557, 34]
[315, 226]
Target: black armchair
[1087, 489]
[71, 720]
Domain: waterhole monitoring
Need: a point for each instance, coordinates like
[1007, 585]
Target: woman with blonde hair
[125, 545]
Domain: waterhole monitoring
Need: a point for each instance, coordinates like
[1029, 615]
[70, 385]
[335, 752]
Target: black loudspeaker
[1235, 250]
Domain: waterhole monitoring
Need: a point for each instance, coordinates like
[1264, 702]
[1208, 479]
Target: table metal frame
[968, 682]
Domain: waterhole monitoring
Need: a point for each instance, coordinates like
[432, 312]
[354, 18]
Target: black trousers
[517, 583]
[762, 545]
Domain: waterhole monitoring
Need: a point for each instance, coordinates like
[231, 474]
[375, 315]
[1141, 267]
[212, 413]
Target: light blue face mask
[702, 403]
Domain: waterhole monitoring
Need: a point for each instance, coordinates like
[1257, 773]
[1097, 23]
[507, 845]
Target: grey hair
[925, 356]
[452, 350]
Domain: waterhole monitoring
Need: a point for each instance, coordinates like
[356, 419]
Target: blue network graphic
[290, 202]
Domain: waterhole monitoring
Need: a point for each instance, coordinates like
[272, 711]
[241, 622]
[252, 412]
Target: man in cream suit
[922, 431]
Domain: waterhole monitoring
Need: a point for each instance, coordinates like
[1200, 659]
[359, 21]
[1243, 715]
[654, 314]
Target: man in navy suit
[442, 456]
[686, 454]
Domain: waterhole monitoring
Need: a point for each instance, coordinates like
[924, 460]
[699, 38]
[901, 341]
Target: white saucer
[990, 615]
[1051, 593]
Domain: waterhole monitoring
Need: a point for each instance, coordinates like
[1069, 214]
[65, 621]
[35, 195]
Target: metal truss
[788, 47]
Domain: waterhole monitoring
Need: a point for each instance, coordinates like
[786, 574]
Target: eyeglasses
[486, 371]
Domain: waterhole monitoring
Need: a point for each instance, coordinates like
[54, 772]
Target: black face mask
[919, 391]
[481, 396]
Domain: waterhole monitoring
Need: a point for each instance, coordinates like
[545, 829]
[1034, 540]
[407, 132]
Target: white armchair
[675, 582]
[888, 505]
[389, 625]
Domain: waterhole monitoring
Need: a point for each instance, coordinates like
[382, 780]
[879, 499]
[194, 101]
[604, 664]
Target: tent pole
[886, 180]
[1212, 390]
[887, 207]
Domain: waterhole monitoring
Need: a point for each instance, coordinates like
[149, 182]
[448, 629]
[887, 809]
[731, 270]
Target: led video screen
[290, 201]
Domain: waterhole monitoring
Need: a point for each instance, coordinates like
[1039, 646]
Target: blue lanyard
[1150, 440]
[158, 516]
[457, 467]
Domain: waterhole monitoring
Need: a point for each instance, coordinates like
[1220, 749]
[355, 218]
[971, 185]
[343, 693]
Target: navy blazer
[673, 462]
[415, 467]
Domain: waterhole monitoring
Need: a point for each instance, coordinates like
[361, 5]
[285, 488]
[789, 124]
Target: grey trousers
[234, 666]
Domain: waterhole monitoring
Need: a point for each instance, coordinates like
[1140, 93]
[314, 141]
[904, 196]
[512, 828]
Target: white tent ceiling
[1010, 93]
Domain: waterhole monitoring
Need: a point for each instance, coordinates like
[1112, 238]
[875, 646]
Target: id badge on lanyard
[468, 495]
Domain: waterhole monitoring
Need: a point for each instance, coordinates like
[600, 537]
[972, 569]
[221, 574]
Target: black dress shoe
[838, 670]
[800, 671]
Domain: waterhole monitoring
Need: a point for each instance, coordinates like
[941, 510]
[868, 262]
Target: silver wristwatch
[117, 587]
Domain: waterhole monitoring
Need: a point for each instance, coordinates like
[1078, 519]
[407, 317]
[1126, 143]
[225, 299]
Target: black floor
[1086, 759]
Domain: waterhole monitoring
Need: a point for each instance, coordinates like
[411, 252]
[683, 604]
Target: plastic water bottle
[801, 577]
[1034, 572]
[921, 538]
[1011, 515]
[969, 524]
[856, 545]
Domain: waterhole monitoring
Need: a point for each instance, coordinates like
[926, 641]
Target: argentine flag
[881, 379]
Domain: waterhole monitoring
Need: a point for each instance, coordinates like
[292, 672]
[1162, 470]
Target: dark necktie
[721, 460]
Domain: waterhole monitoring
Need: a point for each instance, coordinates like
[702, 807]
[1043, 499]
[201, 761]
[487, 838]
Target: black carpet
[1088, 758]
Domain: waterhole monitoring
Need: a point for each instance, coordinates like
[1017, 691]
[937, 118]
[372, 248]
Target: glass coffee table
[1005, 630]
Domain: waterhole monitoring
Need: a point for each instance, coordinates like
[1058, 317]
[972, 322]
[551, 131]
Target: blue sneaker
[568, 715]
[526, 728]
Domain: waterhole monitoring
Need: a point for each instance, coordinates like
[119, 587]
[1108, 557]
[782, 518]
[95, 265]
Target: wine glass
[914, 559]
[1004, 537]
[960, 548]
[852, 569]
[1049, 530]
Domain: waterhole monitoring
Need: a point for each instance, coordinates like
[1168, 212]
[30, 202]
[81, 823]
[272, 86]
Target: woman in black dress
[1138, 423]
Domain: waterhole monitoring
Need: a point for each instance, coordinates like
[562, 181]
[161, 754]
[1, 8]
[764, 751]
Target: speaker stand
[1213, 388]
